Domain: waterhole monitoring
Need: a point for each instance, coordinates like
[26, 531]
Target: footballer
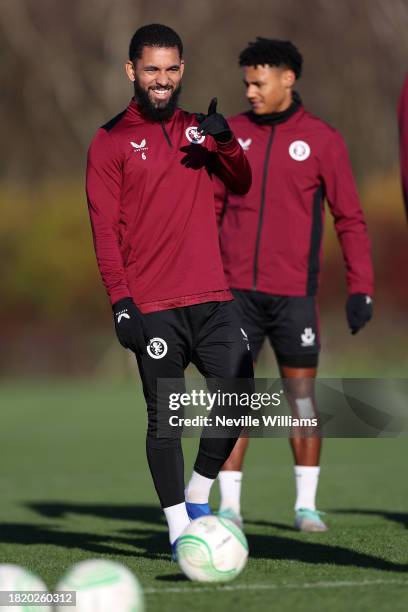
[150, 193]
[271, 245]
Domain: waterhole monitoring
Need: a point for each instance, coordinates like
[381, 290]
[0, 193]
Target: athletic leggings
[209, 336]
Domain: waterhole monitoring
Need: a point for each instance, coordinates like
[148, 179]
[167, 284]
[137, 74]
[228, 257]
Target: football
[102, 586]
[16, 578]
[212, 549]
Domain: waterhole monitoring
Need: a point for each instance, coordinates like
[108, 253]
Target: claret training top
[271, 238]
[151, 202]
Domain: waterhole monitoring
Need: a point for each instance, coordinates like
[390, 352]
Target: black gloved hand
[214, 123]
[129, 325]
[359, 310]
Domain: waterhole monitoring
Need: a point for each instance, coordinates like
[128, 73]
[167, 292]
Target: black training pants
[210, 336]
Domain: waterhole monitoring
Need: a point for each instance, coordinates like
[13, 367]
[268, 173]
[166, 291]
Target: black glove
[129, 325]
[214, 123]
[359, 310]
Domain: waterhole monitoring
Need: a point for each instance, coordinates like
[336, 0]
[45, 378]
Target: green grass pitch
[75, 485]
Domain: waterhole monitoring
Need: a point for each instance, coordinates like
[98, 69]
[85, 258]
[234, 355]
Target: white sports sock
[177, 520]
[307, 479]
[230, 489]
[198, 489]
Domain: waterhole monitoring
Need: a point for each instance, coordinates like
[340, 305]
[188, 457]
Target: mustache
[149, 110]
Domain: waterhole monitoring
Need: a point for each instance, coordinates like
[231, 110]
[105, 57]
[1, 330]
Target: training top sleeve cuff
[365, 289]
[118, 294]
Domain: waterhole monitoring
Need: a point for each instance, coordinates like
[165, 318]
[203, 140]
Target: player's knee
[242, 365]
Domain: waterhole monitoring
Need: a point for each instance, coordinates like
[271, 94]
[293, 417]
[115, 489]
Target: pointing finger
[212, 107]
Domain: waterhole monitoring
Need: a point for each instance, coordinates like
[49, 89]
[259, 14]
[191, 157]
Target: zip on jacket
[261, 210]
[167, 137]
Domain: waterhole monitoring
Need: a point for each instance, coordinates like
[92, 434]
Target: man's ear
[130, 70]
[289, 78]
[182, 66]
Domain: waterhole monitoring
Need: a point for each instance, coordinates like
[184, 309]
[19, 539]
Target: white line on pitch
[267, 587]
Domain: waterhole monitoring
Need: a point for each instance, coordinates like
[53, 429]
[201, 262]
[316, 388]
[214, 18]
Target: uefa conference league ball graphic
[102, 586]
[212, 549]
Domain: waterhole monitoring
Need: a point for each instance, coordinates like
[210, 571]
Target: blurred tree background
[62, 73]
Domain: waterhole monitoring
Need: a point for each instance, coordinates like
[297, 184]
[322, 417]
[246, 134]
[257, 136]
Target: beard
[152, 112]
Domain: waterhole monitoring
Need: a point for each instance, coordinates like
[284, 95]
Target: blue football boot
[194, 511]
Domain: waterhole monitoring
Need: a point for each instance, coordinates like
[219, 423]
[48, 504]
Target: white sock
[177, 520]
[230, 489]
[198, 489]
[307, 479]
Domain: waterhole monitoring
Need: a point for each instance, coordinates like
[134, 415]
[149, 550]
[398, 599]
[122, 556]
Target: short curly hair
[153, 35]
[272, 52]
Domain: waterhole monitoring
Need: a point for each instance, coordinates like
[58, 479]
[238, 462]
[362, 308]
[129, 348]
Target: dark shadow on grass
[172, 578]
[273, 547]
[395, 517]
[281, 526]
[126, 512]
[153, 544]
[149, 544]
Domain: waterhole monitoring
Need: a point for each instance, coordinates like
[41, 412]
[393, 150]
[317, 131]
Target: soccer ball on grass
[102, 586]
[16, 578]
[212, 549]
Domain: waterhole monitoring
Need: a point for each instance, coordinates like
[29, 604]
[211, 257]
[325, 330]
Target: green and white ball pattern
[102, 586]
[16, 578]
[212, 549]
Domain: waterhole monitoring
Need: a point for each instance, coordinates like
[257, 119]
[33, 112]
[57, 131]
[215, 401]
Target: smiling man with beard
[151, 202]
[156, 93]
